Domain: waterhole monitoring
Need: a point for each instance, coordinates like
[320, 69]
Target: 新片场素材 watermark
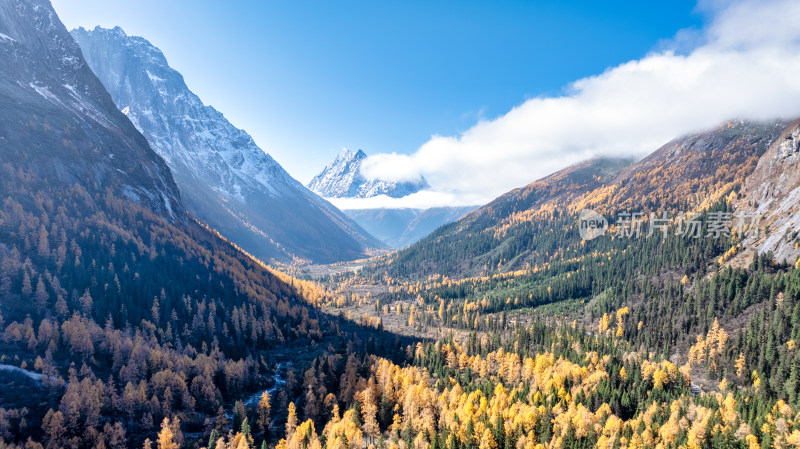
[592, 224]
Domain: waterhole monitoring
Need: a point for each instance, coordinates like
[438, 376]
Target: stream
[280, 380]
[34, 376]
[252, 401]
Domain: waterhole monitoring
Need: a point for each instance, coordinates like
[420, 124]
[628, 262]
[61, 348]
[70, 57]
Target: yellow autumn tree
[291, 421]
[369, 412]
[741, 365]
[304, 437]
[264, 408]
[168, 436]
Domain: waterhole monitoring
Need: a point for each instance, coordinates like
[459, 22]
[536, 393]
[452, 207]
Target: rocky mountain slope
[58, 122]
[343, 179]
[225, 179]
[690, 172]
[772, 193]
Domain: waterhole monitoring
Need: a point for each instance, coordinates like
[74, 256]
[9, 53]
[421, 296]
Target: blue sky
[309, 78]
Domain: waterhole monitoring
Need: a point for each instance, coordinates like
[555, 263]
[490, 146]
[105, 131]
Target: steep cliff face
[772, 193]
[225, 179]
[58, 122]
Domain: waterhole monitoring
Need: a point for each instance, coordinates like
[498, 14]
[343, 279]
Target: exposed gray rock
[772, 192]
[58, 122]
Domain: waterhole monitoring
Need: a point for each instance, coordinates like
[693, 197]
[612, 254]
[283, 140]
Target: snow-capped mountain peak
[343, 178]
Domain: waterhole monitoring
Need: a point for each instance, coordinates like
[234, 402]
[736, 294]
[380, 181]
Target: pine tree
[86, 303]
[247, 433]
[239, 414]
[41, 296]
[212, 439]
[44, 246]
[222, 423]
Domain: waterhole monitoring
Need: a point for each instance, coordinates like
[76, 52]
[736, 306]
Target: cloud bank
[744, 64]
[424, 199]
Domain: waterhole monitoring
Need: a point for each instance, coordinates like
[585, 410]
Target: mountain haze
[400, 228]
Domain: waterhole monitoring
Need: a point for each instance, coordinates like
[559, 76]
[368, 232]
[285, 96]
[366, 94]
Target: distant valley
[395, 227]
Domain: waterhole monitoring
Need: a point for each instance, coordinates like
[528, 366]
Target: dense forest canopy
[125, 322]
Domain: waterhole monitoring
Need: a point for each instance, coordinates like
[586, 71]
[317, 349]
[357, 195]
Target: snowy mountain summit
[342, 178]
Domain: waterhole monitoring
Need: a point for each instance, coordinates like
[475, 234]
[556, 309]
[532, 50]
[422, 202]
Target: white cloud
[745, 64]
[391, 167]
[420, 200]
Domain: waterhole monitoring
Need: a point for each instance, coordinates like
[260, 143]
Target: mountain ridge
[226, 180]
[687, 174]
[51, 74]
